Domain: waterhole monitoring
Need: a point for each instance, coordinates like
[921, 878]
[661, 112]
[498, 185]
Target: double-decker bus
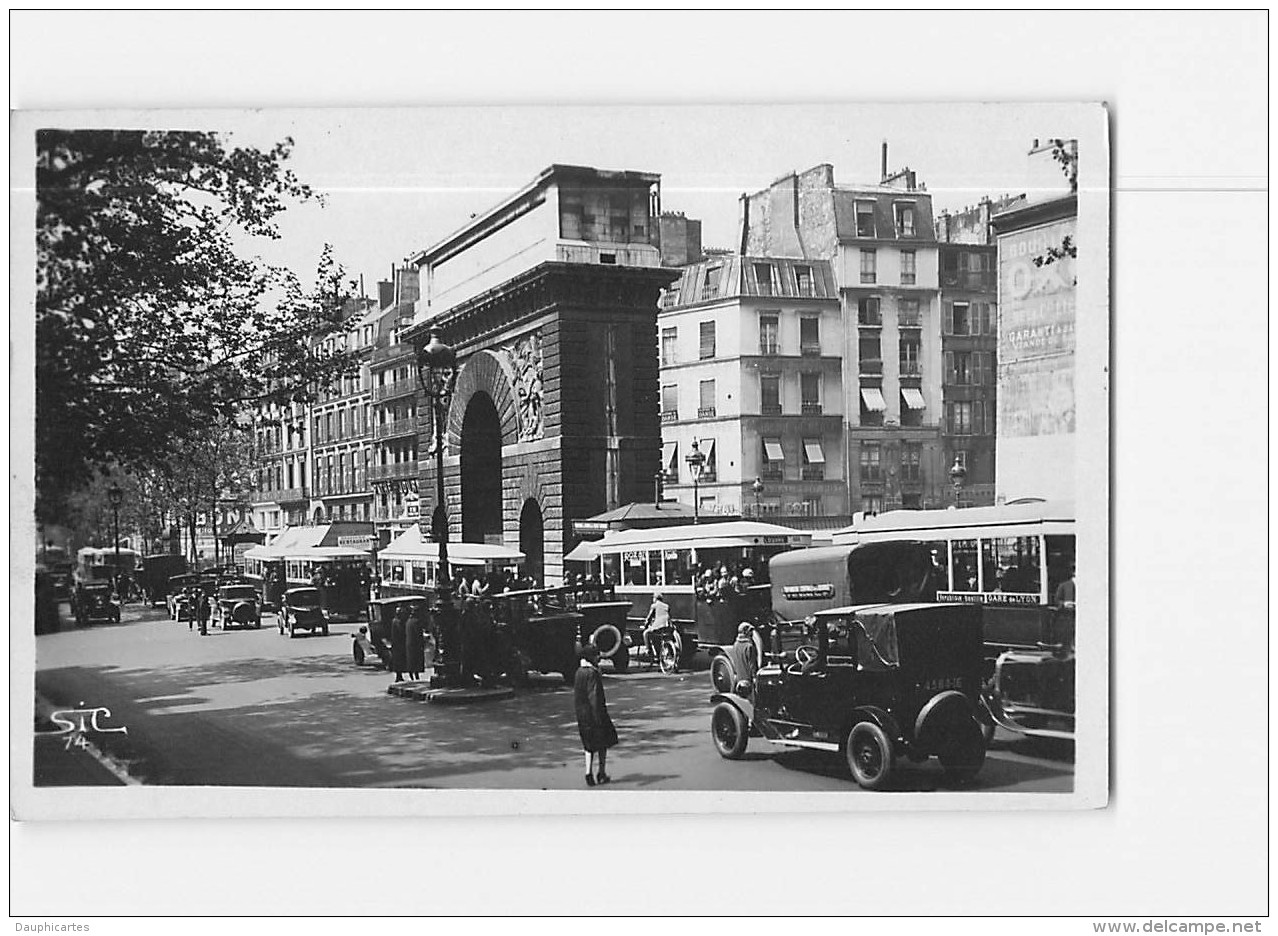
[1012, 559]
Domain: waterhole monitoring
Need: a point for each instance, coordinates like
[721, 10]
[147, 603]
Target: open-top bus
[1012, 560]
[674, 561]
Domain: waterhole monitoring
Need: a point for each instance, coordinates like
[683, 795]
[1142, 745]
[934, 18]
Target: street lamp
[437, 374]
[957, 474]
[115, 496]
[757, 487]
[658, 485]
[696, 459]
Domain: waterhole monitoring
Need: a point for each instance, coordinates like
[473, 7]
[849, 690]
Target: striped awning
[872, 397]
[913, 398]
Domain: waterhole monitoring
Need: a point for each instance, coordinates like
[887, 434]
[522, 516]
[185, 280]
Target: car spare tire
[722, 674]
[244, 612]
[607, 640]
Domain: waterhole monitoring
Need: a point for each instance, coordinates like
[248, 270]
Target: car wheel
[668, 657]
[964, 755]
[869, 754]
[722, 674]
[729, 730]
[621, 659]
[358, 653]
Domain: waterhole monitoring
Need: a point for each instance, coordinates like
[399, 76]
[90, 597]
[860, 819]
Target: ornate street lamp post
[957, 474]
[696, 459]
[757, 487]
[437, 374]
[116, 496]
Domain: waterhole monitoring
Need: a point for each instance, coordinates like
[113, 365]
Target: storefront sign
[356, 542]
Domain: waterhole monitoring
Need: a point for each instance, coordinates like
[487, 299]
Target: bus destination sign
[1006, 598]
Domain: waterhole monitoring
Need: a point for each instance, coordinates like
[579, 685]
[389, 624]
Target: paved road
[248, 708]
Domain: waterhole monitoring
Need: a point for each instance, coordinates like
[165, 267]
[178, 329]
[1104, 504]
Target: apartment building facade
[881, 247]
[752, 383]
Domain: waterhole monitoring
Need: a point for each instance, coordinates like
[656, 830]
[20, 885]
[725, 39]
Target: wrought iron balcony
[401, 471]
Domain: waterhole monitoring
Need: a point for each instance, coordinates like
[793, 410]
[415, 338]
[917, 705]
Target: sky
[396, 181]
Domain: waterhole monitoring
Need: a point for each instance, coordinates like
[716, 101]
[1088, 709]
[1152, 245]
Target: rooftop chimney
[883, 174]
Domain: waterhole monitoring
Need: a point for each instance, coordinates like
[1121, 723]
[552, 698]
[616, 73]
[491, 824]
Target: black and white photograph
[468, 472]
[432, 463]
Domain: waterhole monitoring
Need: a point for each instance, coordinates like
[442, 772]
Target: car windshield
[304, 596]
[239, 591]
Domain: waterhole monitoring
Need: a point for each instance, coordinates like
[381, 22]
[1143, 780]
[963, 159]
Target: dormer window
[905, 220]
[865, 219]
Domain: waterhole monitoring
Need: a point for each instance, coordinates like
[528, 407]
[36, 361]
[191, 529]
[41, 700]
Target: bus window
[678, 566]
[963, 565]
[1011, 564]
[634, 568]
[656, 568]
[419, 573]
[611, 568]
[1060, 562]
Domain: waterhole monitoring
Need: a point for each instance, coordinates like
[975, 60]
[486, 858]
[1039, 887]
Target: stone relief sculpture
[525, 361]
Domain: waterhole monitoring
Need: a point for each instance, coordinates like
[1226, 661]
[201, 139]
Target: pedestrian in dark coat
[205, 605]
[415, 644]
[399, 643]
[597, 730]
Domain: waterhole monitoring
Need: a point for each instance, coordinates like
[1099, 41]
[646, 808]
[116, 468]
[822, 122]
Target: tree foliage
[1065, 152]
[149, 322]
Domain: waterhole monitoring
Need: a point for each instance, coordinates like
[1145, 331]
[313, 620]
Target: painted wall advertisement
[1036, 333]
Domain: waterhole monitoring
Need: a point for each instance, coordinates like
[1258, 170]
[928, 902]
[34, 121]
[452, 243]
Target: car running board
[817, 745]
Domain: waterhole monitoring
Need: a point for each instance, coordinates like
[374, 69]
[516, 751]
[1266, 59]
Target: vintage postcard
[490, 460]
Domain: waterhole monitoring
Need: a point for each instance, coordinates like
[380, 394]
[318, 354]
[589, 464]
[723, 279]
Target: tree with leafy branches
[150, 324]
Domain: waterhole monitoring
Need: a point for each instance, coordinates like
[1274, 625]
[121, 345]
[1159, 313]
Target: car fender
[880, 717]
[941, 711]
[745, 706]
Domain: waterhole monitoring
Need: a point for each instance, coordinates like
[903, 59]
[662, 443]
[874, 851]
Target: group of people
[197, 608]
[408, 638]
[719, 582]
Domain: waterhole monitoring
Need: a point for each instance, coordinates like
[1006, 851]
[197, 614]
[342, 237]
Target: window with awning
[670, 459]
[913, 398]
[772, 450]
[813, 454]
[872, 397]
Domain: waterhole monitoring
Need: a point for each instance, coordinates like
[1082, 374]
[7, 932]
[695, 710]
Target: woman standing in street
[415, 644]
[399, 642]
[596, 727]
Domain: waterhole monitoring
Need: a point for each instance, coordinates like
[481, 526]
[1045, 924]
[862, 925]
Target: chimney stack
[884, 173]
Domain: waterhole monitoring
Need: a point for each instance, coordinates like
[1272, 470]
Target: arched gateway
[555, 411]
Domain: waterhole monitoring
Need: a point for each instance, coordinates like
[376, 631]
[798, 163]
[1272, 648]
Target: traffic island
[421, 691]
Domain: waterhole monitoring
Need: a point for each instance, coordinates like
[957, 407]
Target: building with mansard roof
[751, 389]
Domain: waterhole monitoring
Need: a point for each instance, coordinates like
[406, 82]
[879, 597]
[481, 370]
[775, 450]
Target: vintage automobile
[94, 601]
[301, 609]
[237, 605]
[376, 638]
[521, 631]
[878, 682]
